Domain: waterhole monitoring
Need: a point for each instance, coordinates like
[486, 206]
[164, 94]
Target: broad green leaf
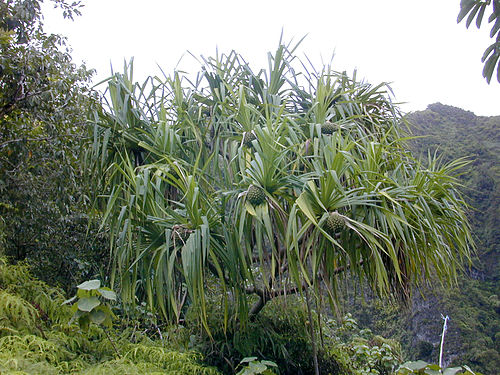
[108, 321]
[107, 293]
[84, 322]
[415, 365]
[451, 370]
[90, 285]
[76, 314]
[256, 367]
[81, 293]
[248, 359]
[88, 303]
[97, 316]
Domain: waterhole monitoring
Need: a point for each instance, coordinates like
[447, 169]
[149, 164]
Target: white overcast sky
[417, 46]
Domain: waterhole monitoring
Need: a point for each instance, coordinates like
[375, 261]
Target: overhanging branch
[267, 295]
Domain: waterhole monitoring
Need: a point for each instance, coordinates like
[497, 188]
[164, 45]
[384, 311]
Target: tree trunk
[311, 332]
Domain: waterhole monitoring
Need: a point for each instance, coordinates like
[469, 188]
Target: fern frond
[15, 312]
[17, 279]
[33, 348]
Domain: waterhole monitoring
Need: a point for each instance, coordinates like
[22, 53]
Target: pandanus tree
[271, 183]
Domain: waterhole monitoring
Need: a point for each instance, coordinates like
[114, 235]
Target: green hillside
[455, 133]
[473, 305]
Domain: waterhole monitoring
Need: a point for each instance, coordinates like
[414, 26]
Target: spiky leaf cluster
[234, 235]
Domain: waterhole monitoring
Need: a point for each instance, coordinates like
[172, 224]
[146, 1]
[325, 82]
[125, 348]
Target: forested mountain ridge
[473, 306]
[455, 133]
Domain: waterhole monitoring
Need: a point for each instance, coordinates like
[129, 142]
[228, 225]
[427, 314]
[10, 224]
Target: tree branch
[3, 144]
[267, 295]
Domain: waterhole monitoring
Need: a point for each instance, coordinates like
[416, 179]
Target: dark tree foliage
[44, 97]
[475, 9]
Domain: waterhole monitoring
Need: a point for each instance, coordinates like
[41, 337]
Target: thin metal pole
[445, 327]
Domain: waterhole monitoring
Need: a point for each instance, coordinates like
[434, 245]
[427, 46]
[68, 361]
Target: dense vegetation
[44, 198]
[35, 337]
[229, 213]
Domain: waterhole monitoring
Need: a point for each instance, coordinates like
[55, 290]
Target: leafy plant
[91, 306]
[368, 354]
[44, 196]
[280, 333]
[252, 366]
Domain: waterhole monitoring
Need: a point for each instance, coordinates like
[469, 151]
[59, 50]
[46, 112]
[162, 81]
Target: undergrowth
[280, 333]
[35, 337]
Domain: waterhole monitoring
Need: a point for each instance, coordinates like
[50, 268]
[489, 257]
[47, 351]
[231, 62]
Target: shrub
[281, 334]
